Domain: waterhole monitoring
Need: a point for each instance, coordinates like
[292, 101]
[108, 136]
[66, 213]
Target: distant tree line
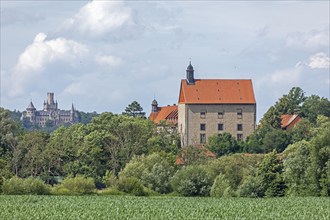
[117, 154]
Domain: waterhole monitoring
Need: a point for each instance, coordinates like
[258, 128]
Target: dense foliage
[127, 153]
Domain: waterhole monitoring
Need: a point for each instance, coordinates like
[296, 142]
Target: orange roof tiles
[217, 91]
[289, 121]
[167, 113]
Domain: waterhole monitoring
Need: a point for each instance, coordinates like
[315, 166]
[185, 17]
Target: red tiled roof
[289, 121]
[167, 113]
[215, 91]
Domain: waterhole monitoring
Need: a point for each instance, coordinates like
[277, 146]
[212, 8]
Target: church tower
[190, 75]
[154, 106]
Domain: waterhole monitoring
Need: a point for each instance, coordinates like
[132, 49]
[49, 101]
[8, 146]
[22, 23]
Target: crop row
[113, 207]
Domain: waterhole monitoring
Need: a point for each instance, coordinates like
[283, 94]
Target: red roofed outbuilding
[289, 121]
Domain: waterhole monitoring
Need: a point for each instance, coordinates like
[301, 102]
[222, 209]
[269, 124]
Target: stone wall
[190, 120]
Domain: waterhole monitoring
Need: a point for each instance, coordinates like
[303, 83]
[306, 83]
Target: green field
[116, 207]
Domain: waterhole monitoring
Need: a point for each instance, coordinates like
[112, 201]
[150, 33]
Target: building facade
[213, 106]
[50, 112]
[208, 107]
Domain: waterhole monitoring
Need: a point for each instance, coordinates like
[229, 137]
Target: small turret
[31, 111]
[190, 74]
[31, 106]
[154, 106]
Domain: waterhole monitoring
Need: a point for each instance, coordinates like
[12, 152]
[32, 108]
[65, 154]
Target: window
[239, 137]
[202, 138]
[220, 127]
[203, 127]
[220, 115]
[239, 113]
[239, 127]
[203, 114]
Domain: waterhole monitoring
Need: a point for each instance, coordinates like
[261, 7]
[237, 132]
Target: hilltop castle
[50, 112]
[209, 106]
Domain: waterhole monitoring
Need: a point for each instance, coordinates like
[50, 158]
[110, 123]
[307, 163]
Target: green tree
[221, 187]
[192, 181]
[269, 176]
[234, 168]
[287, 104]
[65, 152]
[154, 171]
[10, 132]
[222, 144]
[276, 139]
[296, 166]
[314, 106]
[119, 138]
[302, 131]
[86, 117]
[164, 139]
[320, 156]
[134, 110]
[27, 157]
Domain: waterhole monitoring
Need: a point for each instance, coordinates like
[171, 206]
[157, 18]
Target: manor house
[50, 112]
[208, 107]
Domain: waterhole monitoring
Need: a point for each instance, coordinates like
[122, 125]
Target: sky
[102, 55]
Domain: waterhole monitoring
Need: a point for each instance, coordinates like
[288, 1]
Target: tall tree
[27, 157]
[314, 106]
[135, 110]
[269, 176]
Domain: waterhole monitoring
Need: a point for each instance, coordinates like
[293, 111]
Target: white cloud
[311, 40]
[99, 18]
[287, 76]
[38, 55]
[107, 60]
[319, 61]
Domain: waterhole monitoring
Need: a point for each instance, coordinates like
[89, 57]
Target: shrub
[131, 185]
[154, 171]
[19, 186]
[221, 187]
[250, 188]
[76, 186]
[109, 179]
[192, 181]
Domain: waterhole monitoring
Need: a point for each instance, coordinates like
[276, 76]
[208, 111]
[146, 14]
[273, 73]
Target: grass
[129, 207]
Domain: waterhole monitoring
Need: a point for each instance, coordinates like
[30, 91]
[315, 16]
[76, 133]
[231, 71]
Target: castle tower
[31, 112]
[190, 74]
[50, 105]
[154, 106]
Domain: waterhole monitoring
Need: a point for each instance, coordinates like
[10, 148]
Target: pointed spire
[31, 106]
[72, 108]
